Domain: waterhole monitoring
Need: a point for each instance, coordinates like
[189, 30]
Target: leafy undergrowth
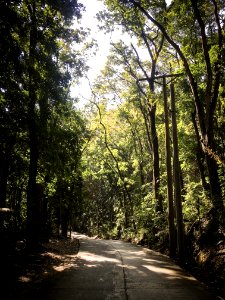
[207, 253]
[26, 273]
[210, 268]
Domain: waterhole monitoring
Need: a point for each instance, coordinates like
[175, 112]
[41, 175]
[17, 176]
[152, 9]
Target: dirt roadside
[23, 274]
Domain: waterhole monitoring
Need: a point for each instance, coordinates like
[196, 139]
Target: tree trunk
[177, 183]
[5, 157]
[156, 171]
[31, 190]
[151, 108]
[3, 180]
[215, 187]
[65, 222]
[33, 140]
[200, 155]
[172, 235]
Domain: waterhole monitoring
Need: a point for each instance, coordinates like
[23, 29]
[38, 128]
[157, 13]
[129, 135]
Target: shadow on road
[122, 271]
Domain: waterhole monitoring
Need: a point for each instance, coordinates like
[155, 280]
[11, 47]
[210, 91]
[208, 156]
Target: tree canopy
[144, 160]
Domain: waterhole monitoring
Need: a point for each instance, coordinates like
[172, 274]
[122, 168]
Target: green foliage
[95, 171]
[39, 62]
[121, 143]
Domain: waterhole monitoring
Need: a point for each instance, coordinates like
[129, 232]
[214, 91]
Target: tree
[61, 165]
[205, 96]
[38, 65]
[152, 40]
[11, 114]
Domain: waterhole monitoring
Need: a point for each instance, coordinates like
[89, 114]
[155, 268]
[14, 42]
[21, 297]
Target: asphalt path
[112, 269]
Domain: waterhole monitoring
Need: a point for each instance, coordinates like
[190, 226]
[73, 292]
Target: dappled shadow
[91, 276]
[150, 271]
[106, 269]
[24, 272]
[151, 261]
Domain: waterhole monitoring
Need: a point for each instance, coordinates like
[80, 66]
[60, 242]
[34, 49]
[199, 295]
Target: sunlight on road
[156, 261]
[91, 257]
[173, 273]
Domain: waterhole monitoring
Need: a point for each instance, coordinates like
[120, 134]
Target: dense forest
[144, 160]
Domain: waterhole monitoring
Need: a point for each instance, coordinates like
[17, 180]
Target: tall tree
[39, 62]
[206, 81]
[11, 113]
[152, 40]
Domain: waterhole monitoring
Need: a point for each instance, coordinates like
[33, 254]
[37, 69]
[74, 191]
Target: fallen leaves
[30, 270]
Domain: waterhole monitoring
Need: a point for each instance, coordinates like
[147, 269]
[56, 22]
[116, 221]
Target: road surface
[116, 270]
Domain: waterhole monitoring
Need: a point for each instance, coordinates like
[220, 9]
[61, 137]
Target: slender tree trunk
[146, 121]
[200, 155]
[156, 170]
[5, 158]
[33, 141]
[172, 235]
[153, 138]
[31, 190]
[155, 144]
[65, 222]
[3, 180]
[126, 215]
[177, 183]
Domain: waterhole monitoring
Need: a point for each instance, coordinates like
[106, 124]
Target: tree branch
[206, 55]
[192, 81]
[217, 64]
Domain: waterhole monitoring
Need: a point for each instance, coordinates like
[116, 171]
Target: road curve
[116, 270]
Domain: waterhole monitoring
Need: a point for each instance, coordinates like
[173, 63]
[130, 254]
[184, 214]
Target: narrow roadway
[115, 270]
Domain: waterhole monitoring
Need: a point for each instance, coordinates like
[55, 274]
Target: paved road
[115, 270]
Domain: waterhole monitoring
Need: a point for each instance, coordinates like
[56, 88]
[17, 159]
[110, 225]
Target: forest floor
[210, 268]
[26, 273]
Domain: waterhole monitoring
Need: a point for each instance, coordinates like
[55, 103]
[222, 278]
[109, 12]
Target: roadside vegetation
[144, 160]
